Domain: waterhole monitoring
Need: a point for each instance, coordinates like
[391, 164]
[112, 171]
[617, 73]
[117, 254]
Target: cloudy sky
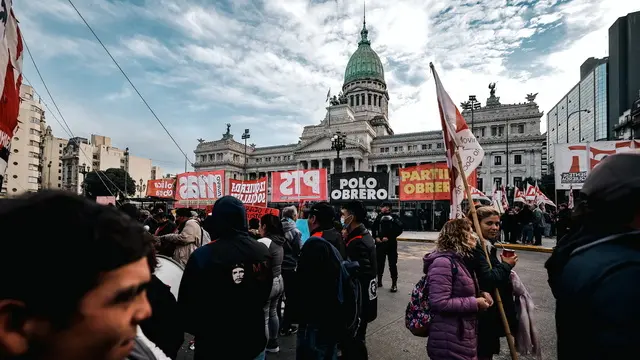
[267, 64]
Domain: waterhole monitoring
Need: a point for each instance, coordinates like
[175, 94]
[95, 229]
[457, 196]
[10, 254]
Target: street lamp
[141, 188]
[338, 143]
[246, 135]
[83, 170]
[471, 105]
[569, 116]
[126, 170]
[49, 175]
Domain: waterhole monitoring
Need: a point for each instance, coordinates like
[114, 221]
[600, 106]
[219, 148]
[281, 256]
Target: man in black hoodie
[291, 246]
[594, 270]
[361, 248]
[225, 286]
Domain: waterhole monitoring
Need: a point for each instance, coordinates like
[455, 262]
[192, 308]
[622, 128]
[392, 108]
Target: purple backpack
[417, 316]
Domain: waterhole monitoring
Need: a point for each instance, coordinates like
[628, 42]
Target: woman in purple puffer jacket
[454, 298]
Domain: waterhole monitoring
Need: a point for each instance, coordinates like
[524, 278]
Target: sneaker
[272, 346]
[290, 331]
[394, 287]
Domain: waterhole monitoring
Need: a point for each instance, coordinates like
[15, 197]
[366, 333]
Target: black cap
[323, 212]
[615, 179]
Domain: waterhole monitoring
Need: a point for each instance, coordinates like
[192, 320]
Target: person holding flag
[460, 143]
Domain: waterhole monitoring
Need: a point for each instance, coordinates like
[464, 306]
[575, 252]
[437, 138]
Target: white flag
[457, 137]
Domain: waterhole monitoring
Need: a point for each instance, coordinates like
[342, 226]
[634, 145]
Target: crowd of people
[81, 283]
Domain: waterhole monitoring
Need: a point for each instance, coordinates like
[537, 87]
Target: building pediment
[319, 143]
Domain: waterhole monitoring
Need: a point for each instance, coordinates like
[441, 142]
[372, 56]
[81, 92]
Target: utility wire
[130, 82]
[63, 119]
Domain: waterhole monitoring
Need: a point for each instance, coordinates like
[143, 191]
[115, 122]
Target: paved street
[388, 339]
[433, 235]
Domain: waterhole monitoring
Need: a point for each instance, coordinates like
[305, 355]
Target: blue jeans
[271, 318]
[314, 344]
[527, 233]
[261, 356]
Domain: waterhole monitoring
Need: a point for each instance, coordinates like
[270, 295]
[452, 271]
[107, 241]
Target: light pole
[49, 175]
[338, 143]
[83, 170]
[126, 170]
[569, 116]
[246, 135]
[471, 105]
[141, 188]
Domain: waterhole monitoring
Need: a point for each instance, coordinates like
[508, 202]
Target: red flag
[571, 200]
[10, 78]
[457, 137]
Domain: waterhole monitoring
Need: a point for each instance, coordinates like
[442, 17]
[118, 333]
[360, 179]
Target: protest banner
[199, 189]
[428, 182]
[106, 200]
[256, 212]
[572, 165]
[297, 185]
[250, 192]
[368, 187]
[161, 188]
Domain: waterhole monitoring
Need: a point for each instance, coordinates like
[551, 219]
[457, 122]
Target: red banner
[295, 185]
[199, 189]
[161, 188]
[256, 212]
[250, 192]
[428, 182]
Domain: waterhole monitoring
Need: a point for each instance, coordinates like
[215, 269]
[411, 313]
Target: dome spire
[364, 33]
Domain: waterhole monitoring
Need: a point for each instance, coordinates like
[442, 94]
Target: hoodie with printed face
[225, 286]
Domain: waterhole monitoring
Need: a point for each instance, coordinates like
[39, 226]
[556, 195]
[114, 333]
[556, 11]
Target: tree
[95, 184]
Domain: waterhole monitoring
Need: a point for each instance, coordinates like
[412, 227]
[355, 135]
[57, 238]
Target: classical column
[356, 164]
[344, 164]
[391, 187]
[333, 166]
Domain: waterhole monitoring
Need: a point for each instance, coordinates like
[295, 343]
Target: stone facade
[361, 112]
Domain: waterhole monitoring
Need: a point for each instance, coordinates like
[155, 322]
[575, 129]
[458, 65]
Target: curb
[515, 247]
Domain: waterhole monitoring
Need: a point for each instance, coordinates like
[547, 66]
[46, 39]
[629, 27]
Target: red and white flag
[457, 138]
[541, 198]
[505, 200]
[10, 78]
[518, 196]
[570, 205]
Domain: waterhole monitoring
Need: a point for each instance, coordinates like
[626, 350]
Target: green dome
[364, 64]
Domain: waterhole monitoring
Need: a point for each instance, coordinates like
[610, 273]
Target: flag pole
[496, 295]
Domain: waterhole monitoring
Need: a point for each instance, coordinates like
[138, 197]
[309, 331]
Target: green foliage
[95, 185]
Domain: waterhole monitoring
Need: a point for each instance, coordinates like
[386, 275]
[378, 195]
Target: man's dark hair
[186, 212]
[131, 210]
[387, 204]
[324, 213]
[54, 264]
[254, 224]
[272, 224]
[357, 209]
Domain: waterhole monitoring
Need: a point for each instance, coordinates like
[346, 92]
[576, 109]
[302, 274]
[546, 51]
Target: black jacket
[292, 245]
[498, 277]
[334, 237]
[386, 225]
[164, 327]
[362, 248]
[225, 286]
[596, 294]
[315, 297]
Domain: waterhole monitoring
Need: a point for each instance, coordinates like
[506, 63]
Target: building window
[497, 160]
[357, 100]
[517, 159]
[479, 132]
[517, 182]
[15, 151]
[369, 98]
[351, 100]
[497, 130]
[439, 145]
[424, 146]
[497, 182]
[480, 184]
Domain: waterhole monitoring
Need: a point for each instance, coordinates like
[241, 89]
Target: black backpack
[349, 294]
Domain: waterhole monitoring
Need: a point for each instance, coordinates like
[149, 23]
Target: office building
[581, 115]
[52, 148]
[624, 69]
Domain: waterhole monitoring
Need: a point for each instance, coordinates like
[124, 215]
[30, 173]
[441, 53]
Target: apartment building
[52, 148]
[24, 168]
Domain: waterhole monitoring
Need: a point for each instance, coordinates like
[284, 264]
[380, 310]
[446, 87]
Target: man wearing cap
[385, 230]
[188, 238]
[320, 221]
[594, 270]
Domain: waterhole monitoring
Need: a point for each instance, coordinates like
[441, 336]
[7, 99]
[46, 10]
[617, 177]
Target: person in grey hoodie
[273, 238]
[291, 246]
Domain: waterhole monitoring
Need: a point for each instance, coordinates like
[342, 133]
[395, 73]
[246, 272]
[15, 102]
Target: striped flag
[457, 138]
[11, 79]
[328, 95]
[571, 200]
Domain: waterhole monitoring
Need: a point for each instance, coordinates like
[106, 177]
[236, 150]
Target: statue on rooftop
[531, 97]
[228, 129]
[492, 89]
[200, 141]
[342, 98]
[333, 101]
